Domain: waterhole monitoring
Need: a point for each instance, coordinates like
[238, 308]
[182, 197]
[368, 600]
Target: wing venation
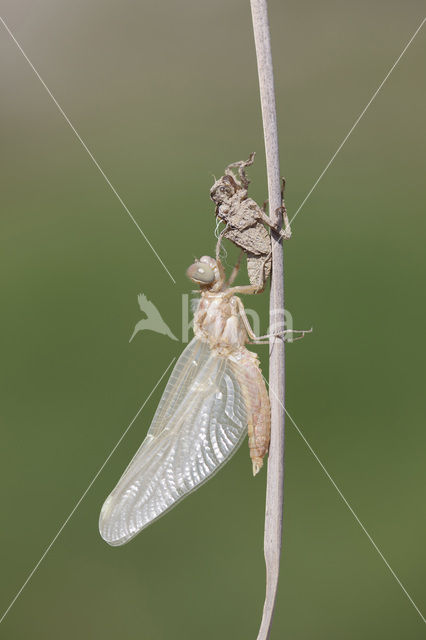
[200, 422]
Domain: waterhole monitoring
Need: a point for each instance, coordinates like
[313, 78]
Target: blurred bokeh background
[165, 95]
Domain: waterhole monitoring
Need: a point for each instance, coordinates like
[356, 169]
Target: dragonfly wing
[200, 422]
[185, 370]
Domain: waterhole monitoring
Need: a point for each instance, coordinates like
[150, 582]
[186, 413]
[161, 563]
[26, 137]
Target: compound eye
[200, 273]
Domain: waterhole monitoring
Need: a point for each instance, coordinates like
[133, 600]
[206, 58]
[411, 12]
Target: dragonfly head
[204, 272]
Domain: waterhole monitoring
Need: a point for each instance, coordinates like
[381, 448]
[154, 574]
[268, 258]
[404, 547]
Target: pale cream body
[218, 321]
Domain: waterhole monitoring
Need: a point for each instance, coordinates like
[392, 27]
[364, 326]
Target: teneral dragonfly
[214, 397]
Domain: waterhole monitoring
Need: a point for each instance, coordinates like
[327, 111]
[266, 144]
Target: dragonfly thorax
[218, 322]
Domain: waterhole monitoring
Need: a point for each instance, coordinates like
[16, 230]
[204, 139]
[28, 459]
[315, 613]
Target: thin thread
[223, 250]
[351, 510]
[86, 148]
[356, 122]
[82, 497]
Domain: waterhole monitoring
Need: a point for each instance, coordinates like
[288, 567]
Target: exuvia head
[204, 272]
[223, 189]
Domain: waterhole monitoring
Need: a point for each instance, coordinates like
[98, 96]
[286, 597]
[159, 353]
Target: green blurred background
[165, 95]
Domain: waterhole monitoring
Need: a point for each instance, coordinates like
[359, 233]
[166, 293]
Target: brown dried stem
[275, 473]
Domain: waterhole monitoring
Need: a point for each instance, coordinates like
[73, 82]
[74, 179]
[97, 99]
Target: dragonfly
[215, 396]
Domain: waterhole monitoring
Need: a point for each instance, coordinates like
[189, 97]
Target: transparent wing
[200, 422]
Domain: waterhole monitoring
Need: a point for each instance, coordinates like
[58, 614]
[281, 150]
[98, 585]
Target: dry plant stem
[275, 474]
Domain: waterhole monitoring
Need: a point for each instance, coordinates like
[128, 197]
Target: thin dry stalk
[275, 475]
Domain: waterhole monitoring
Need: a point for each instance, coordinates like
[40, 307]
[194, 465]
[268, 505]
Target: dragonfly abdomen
[255, 394]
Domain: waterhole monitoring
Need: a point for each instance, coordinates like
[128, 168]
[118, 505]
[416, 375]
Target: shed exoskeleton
[245, 220]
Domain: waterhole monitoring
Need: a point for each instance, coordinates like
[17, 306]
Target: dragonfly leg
[279, 334]
[282, 334]
[286, 231]
[245, 320]
[265, 339]
[241, 166]
[235, 269]
[247, 289]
